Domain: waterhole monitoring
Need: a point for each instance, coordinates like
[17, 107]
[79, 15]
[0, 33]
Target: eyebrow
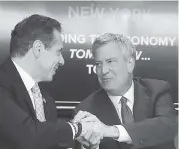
[112, 58]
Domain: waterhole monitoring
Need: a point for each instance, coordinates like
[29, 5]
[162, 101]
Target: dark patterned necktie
[126, 113]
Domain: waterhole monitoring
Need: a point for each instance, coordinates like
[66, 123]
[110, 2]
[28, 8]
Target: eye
[97, 63]
[109, 61]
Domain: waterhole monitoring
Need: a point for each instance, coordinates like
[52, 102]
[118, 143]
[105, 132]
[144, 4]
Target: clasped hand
[92, 129]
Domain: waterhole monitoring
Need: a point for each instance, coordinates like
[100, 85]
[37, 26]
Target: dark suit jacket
[154, 115]
[19, 128]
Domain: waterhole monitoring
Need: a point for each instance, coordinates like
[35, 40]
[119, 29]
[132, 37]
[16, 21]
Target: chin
[106, 87]
[49, 79]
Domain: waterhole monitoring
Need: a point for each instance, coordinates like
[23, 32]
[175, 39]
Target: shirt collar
[129, 95]
[26, 78]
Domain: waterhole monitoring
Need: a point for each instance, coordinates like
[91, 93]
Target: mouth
[56, 67]
[106, 79]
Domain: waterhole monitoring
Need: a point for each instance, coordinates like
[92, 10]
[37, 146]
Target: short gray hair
[128, 49]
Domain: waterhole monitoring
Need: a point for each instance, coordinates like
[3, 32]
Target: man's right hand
[92, 129]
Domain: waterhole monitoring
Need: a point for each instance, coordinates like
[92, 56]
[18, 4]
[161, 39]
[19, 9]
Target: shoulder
[90, 101]
[153, 85]
[6, 72]
[5, 79]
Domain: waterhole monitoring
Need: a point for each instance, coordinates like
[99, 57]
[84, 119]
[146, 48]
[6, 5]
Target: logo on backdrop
[81, 53]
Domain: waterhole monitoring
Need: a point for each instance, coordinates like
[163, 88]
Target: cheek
[47, 64]
[121, 72]
[98, 71]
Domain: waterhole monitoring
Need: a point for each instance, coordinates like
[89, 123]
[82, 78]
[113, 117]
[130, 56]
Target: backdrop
[151, 26]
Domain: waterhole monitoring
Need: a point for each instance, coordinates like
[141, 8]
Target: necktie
[38, 102]
[126, 113]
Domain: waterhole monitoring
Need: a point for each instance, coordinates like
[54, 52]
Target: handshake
[92, 130]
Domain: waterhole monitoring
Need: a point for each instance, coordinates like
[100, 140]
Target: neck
[28, 65]
[122, 90]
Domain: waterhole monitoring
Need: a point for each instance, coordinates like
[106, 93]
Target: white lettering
[73, 38]
[89, 68]
[97, 13]
[72, 12]
[172, 40]
[138, 54]
[94, 69]
[82, 55]
[72, 52]
[153, 41]
[144, 41]
[85, 11]
[135, 40]
[88, 54]
[93, 37]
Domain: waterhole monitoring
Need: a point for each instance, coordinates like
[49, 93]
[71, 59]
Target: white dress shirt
[124, 136]
[27, 80]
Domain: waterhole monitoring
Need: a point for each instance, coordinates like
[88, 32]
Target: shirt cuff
[73, 130]
[82, 147]
[123, 135]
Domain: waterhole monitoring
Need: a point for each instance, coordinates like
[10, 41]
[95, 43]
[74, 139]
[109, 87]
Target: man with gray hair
[139, 113]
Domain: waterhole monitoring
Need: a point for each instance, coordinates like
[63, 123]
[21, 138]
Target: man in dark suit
[134, 112]
[28, 118]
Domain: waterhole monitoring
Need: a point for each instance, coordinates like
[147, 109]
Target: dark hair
[35, 27]
[127, 48]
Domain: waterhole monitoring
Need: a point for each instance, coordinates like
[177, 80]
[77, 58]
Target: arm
[159, 129]
[99, 130]
[27, 133]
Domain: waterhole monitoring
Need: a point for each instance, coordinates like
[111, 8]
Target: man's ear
[37, 48]
[131, 64]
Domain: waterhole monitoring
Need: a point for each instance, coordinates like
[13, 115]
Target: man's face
[51, 58]
[111, 68]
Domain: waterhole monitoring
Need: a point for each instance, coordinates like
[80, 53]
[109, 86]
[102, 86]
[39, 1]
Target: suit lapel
[142, 108]
[49, 105]
[22, 96]
[107, 112]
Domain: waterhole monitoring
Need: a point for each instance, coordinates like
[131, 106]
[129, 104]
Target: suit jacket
[19, 128]
[154, 115]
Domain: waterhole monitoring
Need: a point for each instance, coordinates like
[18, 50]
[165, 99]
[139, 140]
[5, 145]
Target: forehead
[109, 50]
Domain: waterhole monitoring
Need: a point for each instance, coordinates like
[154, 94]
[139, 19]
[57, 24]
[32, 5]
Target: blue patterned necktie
[38, 102]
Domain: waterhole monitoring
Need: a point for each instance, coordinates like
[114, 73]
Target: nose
[61, 60]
